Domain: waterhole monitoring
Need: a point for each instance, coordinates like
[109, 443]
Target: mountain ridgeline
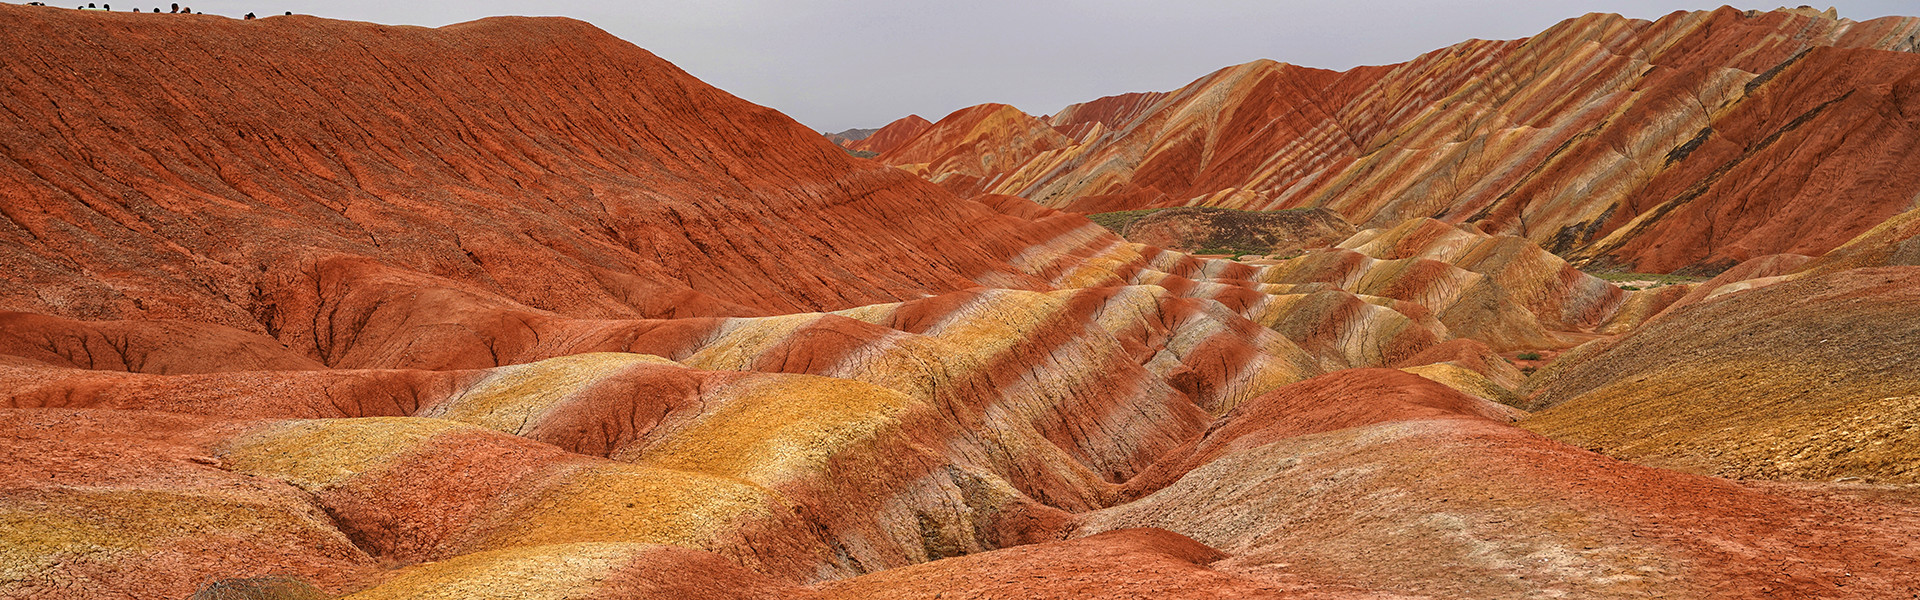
[1686, 144]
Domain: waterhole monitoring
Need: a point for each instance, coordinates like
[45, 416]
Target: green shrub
[1659, 278]
[260, 588]
[1528, 356]
[1117, 222]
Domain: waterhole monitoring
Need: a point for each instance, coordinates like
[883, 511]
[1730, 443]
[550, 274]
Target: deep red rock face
[513, 309]
[893, 135]
[160, 347]
[1689, 143]
[967, 149]
[206, 168]
[1084, 120]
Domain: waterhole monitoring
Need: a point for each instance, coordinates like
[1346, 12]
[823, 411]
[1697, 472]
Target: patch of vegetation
[1661, 278]
[861, 153]
[1528, 356]
[1236, 253]
[260, 588]
[1117, 222]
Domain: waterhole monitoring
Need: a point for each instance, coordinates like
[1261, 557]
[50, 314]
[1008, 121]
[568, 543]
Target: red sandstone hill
[849, 136]
[1693, 142]
[294, 307]
[892, 136]
[227, 172]
[964, 149]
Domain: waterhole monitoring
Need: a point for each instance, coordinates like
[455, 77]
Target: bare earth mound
[1812, 379]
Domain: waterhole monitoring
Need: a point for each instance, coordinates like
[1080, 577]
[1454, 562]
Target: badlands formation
[296, 309]
[1694, 142]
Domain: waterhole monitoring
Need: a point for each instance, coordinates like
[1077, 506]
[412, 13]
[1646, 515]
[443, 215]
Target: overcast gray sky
[861, 63]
